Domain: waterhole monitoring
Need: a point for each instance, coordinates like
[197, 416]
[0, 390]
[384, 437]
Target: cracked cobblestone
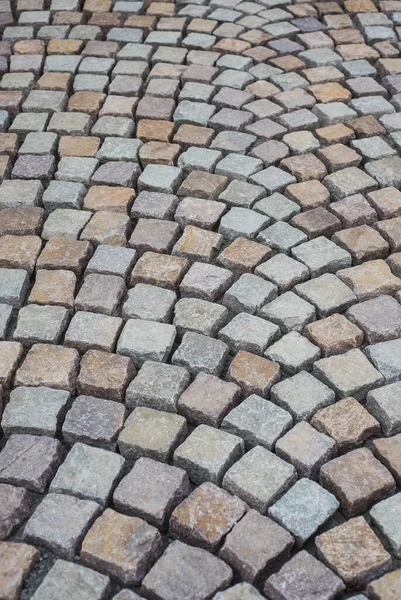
[200, 299]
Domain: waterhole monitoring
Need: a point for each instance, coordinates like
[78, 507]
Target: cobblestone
[200, 287]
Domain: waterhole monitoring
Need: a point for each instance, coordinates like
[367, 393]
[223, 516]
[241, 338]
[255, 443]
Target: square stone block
[201, 353]
[146, 340]
[37, 411]
[93, 331]
[302, 395]
[151, 491]
[182, 566]
[69, 581]
[349, 374]
[94, 421]
[347, 422]
[122, 547]
[358, 480]
[303, 509]
[105, 375]
[207, 400]
[207, 453]
[60, 522]
[255, 545]
[151, 433]
[50, 366]
[157, 386]
[303, 575]
[306, 448]
[369, 558]
[88, 473]
[259, 478]
[206, 516]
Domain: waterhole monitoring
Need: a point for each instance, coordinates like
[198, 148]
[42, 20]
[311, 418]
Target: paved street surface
[200, 300]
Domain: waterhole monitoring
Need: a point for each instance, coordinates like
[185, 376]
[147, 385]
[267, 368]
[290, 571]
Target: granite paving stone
[203, 575]
[157, 386]
[303, 509]
[369, 558]
[88, 473]
[15, 508]
[259, 478]
[200, 290]
[207, 453]
[93, 421]
[206, 516]
[152, 433]
[121, 546]
[347, 422]
[258, 421]
[60, 522]
[254, 545]
[304, 574]
[305, 448]
[69, 580]
[17, 561]
[151, 491]
[36, 411]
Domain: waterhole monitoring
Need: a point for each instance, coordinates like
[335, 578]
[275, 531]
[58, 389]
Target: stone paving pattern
[200, 300]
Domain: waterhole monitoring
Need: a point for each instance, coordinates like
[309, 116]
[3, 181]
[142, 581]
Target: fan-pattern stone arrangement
[200, 300]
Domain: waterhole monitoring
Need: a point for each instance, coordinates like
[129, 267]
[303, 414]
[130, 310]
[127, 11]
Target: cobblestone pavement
[200, 300]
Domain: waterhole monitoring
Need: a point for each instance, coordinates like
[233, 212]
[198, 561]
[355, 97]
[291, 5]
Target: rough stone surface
[200, 285]
[354, 552]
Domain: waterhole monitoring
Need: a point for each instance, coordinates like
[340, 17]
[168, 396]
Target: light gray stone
[44, 324]
[385, 515]
[273, 179]
[37, 411]
[283, 271]
[327, 293]
[259, 478]
[150, 303]
[349, 374]
[160, 178]
[88, 473]
[18, 193]
[385, 404]
[289, 311]
[322, 256]
[200, 316]
[247, 332]
[207, 453]
[112, 260]
[303, 509]
[242, 222]
[146, 340]
[281, 236]
[302, 395]
[201, 353]
[386, 357]
[249, 293]
[258, 421]
[70, 581]
[348, 182]
[293, 352]
[60, 522]
[63, 194]
[14, 285]
[157, 386]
